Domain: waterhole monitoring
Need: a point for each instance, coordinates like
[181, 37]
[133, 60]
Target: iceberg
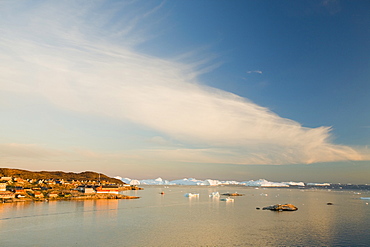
[188, 181]
[214, 194]
[215, 182]
[264, 183]
[294, 183]
[318, 184]
[229, 182]
[191, 195]
[128, 180]
[211, 182]
[157, 181]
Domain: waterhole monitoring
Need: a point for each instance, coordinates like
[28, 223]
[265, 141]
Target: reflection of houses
[112, 189]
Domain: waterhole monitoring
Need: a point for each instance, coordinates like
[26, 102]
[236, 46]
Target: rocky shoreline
[78, 197]
[26, 186]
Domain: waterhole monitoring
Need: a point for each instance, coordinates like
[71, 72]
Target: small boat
[365, 198]
[191, 195]
[228, 199]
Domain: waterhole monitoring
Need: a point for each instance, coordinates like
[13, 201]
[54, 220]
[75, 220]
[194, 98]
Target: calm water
[174, 220]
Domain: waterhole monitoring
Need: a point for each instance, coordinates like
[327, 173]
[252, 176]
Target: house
[53, 194]
[50, 182]
[19, 190]
[38, 194]
[112, 189]
[86, 189]
[3, 186]
[7, 195]
[6, 179]
[19, 180]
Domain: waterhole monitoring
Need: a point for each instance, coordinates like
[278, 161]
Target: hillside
[87, 175]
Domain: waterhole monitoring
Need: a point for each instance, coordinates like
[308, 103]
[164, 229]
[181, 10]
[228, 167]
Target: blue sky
[229, 89]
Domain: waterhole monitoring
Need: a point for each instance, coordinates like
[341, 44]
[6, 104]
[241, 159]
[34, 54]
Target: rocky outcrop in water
[281, 207]
[232, 194]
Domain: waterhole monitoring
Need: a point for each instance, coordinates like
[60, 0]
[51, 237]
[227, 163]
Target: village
[16, 189]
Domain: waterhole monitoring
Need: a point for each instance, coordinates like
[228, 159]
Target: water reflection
[174, 220]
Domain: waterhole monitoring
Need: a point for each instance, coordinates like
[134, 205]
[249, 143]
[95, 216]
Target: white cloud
[67, 60]
[254, 71]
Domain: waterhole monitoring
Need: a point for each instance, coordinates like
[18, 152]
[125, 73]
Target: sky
[235, 90]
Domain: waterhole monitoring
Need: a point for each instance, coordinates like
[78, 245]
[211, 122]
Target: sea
[171, 219]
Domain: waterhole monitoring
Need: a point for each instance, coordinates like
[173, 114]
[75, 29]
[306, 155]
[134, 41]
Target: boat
[365, 198]
[228, 199]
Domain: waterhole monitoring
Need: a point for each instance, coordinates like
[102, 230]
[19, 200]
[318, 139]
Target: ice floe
[191, 195]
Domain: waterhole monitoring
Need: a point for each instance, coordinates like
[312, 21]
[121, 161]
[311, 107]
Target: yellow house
[3, 186]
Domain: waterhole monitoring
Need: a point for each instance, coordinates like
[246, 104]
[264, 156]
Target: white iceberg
[294, 183]
[211, 182]
[318, 184]
[157, 181]
[229, 182]
[191, 195]
[128, 180]
[214, 194]
[215, 182]
[188, 181]
[263, 183]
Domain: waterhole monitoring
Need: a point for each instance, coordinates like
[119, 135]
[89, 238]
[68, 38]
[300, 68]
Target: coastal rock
[281, 207]
[232, 194]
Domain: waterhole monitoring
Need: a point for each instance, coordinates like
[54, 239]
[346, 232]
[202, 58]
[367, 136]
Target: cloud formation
[254, 71]
[79, 64]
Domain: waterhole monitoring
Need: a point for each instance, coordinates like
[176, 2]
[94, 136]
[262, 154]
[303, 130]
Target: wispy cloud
[254, 71]
[77, 64]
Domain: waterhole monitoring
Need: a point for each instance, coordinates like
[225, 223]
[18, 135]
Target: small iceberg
[191, 195]
[214, 194]
[228, 199]
[365, 198]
